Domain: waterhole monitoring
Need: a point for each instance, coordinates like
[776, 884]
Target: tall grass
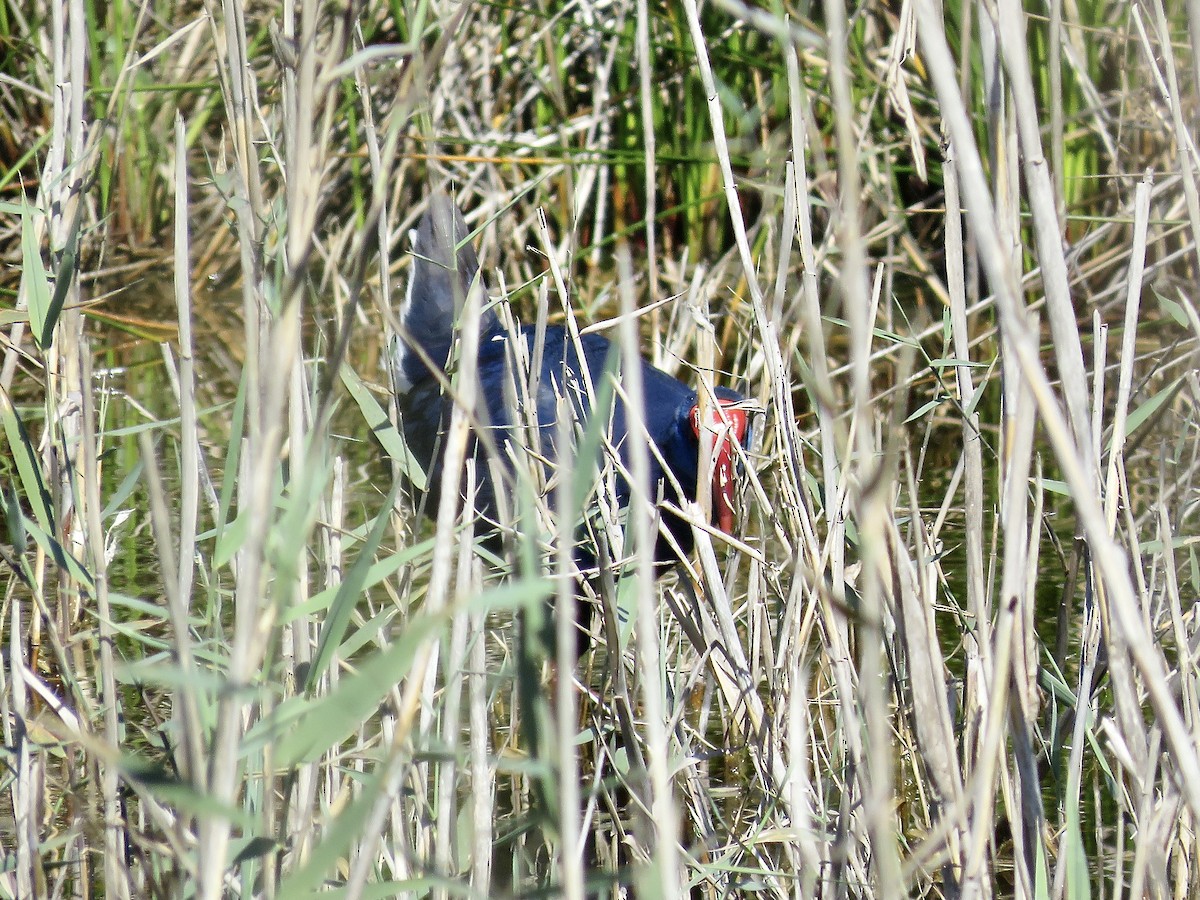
[949, 652]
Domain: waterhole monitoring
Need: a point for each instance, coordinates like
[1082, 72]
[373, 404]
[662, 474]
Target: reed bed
[950, 651]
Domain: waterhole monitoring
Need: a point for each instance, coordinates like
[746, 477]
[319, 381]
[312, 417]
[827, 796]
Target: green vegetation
[951, 650]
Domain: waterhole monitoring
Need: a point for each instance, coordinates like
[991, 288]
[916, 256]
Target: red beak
[728, 424]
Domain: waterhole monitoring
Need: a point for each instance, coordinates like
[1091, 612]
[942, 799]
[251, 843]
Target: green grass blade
[348, 593]
[383, 429]
[329, 719]
[30, 472]
[34, 271]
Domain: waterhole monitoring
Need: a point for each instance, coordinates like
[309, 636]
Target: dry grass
[950, 652]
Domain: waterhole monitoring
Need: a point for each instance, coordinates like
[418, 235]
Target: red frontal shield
[728, 423]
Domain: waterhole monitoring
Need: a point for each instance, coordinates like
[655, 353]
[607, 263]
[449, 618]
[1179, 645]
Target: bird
[444, 277]
[567, 374]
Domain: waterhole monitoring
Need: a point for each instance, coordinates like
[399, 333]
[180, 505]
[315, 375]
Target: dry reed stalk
[1168, 82]
[117, 878]
[571, 834]
[661, 839]
[645, 79]
[978, 650]
[263, 442]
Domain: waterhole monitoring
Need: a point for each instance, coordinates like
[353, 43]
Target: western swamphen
[445, 272]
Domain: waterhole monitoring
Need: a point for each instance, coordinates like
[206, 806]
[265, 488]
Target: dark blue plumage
[445, 272]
